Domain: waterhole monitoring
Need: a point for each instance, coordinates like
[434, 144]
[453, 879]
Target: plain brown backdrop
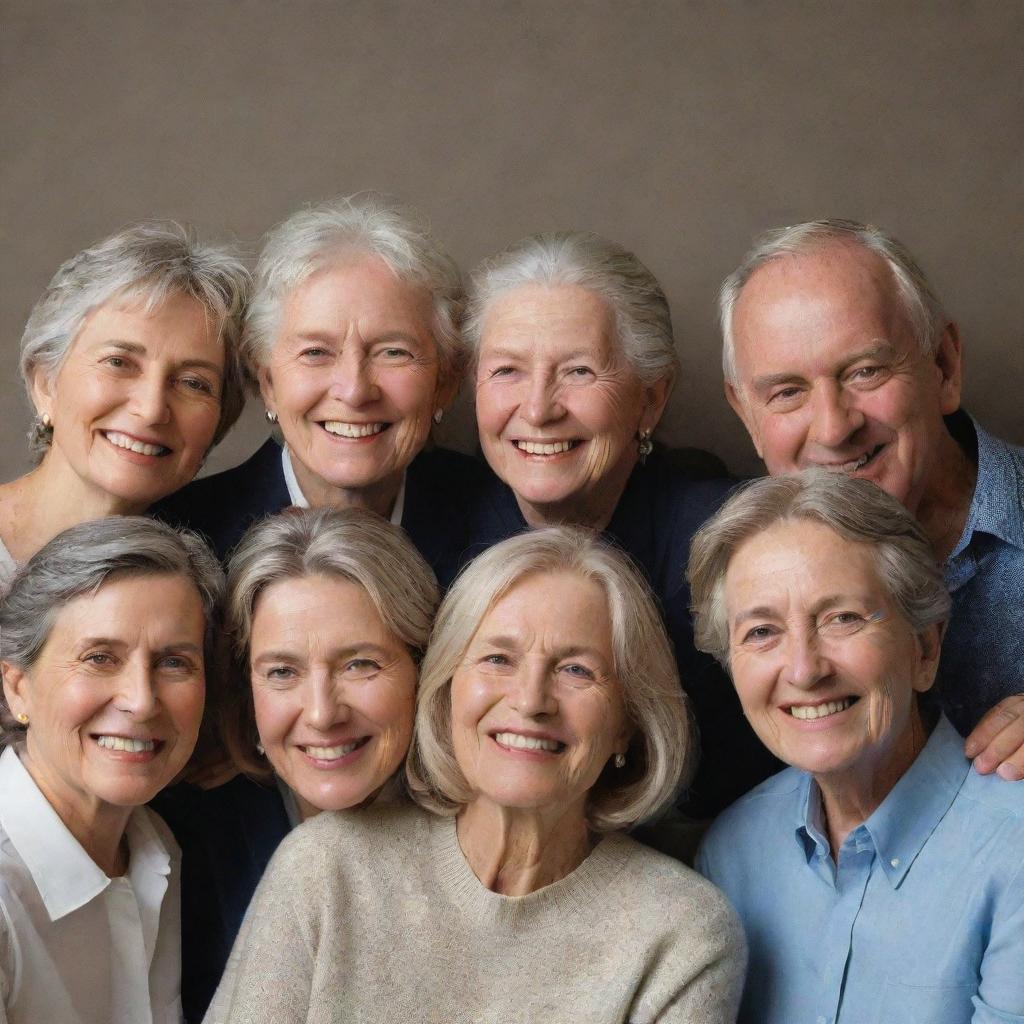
[680, 129]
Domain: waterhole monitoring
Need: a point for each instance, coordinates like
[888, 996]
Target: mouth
[134, 444]
[517, 741]
[854, 465]
[545, 447]
[336, 752]
[809, 712]
[127, 744]
[353, 431]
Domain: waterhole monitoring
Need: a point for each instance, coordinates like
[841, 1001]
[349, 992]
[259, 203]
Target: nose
[835, 416]
[541, 404]
[354, 380]
[149, 398]
[532, 694]
[325, 703]
[806, 663]
[138, 696]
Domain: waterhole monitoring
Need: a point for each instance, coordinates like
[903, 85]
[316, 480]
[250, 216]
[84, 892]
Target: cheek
[275, 714]
[184, 703]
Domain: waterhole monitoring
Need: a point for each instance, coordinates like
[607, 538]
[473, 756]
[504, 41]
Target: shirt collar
[997, 507]
[298, 499]
[65, 875]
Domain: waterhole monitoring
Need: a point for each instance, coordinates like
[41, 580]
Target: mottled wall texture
[678, 128]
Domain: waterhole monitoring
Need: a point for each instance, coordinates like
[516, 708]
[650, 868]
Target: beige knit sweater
[377, 917]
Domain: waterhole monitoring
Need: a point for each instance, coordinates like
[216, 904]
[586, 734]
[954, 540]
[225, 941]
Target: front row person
[104, 639]
[879, 878]
[330, 612]
[550, 719]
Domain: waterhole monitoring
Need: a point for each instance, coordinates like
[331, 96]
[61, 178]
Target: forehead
[812, 310]
[548, 317]
[178, 321]
[325, 606]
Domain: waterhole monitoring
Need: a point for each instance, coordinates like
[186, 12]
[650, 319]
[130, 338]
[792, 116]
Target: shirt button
[895, 862]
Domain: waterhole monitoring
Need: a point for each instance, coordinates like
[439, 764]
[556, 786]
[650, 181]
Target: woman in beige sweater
[550, 719]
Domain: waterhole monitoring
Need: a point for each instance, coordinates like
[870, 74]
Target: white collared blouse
[77, 947]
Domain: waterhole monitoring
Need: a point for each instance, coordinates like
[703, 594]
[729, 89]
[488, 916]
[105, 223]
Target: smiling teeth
[536, 448]
[518, 742]
[331, 753]
[123, 743]
[353, 429]
[832, 707]
[132, 445]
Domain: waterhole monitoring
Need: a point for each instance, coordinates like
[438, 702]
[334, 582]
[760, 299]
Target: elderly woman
[130, 361]
[353, 336]
[550, 719]
[104, 639]
[575, 360]
[879, 878]
[330, 610]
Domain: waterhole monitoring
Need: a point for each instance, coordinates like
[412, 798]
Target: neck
[378, 497]
[851, 797]
[516, 852]
[49, 499]
[942, 510]
[98, 827]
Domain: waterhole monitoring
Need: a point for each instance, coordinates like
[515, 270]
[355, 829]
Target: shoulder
[996, 798]
[672, 483]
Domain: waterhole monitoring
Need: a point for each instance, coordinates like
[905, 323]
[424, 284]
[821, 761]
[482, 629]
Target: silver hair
[78, 562]
[347, 544]
[642, 317]
[147, 262]
[364, 224]
[854, 509]
[925, 314]
[661, 749]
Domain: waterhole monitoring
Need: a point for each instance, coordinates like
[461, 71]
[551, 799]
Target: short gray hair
[78, 562]
[148, 262]
[854, 509]
[364, 224]
[643, 320]
[660, 751]
[348, 544]
[925, 314]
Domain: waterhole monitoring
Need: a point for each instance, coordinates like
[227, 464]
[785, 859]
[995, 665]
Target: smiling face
[115, 698]
[537, 708]
[830, 374]
[558, 407]
[353, 378]
[825, 665]
[333, 691]
[137, 401]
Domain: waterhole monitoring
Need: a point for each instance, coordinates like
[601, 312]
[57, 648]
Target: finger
[992, 723]
[1005, 740]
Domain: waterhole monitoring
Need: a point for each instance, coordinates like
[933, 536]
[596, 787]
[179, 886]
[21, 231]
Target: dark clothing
[227, 836]
[660, 510]
[440, 489]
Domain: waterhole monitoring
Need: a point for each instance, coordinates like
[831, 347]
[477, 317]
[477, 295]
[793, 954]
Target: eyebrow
[108, 641]
[366, 647]
[135, 349]
[823, 604]
[882, 350]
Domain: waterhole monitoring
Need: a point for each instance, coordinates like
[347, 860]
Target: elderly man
[838, 354]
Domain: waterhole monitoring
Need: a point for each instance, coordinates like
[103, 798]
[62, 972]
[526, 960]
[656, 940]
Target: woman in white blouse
[104, 639]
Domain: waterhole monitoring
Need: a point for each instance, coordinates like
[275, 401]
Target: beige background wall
[680, 129]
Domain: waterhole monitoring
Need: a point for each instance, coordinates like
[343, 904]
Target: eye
[579, 372]
[393, 354]
[116, 362]
[99, 658]
[785, 396]
[578, 672]
[866, 375]
[280, 673]
[759, 635]
[176, 663]
[200, 385]
[361, 667]
[843, 622]
[312, 353]
[501, 371]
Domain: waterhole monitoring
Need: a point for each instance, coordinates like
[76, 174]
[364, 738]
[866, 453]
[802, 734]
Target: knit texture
[377, 917]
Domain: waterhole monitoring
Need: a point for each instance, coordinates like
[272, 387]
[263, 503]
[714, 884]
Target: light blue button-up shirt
[983, 650]
[920, 922]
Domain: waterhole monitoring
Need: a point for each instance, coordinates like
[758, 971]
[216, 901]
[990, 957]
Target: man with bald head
[838, 354]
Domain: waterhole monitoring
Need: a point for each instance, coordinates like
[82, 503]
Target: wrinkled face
[558, 406]
[825, 665]
[537, 708]
[829, 373]
[115, 697]
[137, 401]
[333, 690]
[353, 376]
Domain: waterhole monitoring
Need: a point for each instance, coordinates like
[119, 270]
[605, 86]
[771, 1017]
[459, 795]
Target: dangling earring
[271, 416]
[260, 750]
[22, 718]
[620, 760]
[46, 421]
[644, 445]
[438, 415]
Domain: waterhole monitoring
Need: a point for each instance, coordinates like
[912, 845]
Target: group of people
[385, 768]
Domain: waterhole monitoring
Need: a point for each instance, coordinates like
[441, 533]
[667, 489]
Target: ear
[948, 361]
[732, 396]
[43, 388]
[266, 387]
[445, 393]
[655, 400]
[929, 647]
[15, 690]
